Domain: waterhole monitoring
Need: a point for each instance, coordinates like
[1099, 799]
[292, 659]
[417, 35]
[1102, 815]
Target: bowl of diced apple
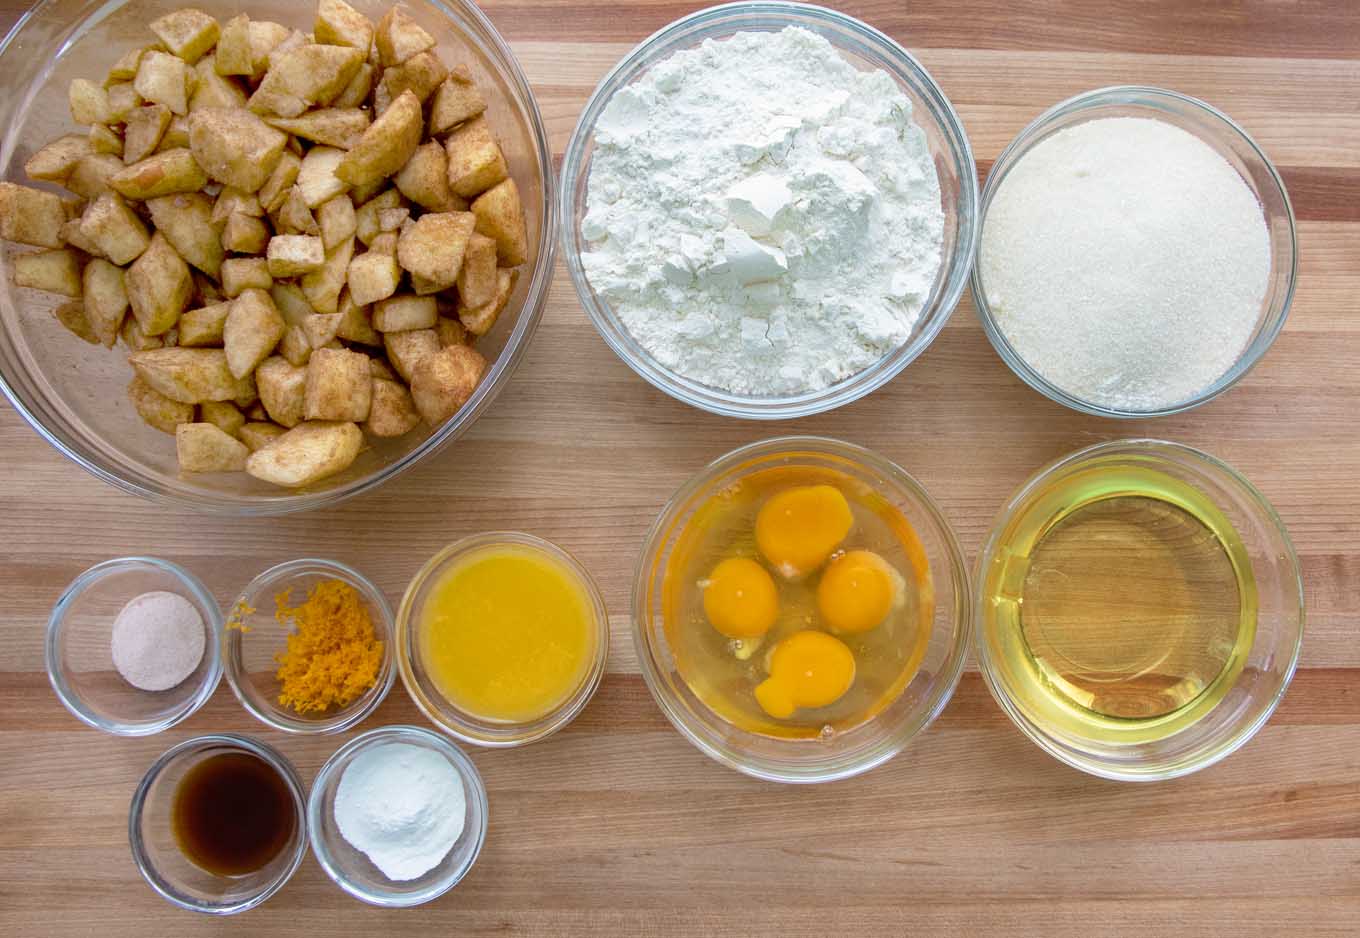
[259, 257]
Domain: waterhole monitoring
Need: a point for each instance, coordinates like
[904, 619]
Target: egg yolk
[798, 529]
[807, 669]
[740, 598]
[857, 591]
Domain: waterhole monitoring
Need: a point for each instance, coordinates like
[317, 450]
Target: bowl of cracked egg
[801, 610]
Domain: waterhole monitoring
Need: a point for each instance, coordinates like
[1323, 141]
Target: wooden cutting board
[617, 825]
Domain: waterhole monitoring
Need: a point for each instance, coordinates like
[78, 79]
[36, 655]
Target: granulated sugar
[1126, 262]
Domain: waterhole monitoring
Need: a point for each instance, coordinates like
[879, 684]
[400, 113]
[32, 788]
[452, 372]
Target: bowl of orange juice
[502, 639]
[801, 610]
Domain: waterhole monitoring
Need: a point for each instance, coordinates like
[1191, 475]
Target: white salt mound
[1126, 261]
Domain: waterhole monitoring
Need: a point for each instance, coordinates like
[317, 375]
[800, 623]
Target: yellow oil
[1121, 605]
[724, 672]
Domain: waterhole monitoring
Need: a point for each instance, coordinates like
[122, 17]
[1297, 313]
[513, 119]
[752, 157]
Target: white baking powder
[157, 640]
[1126, 262]
[401, 805]
[763, 217]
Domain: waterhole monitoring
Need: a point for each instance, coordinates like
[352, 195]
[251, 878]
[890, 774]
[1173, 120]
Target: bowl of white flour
[1137, 253]
[769, 209]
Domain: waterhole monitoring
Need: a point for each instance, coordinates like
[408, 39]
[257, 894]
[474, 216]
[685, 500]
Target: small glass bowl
[80, 657]
[847, 753]
[469, 727]
[1231, 142]
[164, 865]
[354, 872]
[1269, 665]
[865, 48]
[249, 655]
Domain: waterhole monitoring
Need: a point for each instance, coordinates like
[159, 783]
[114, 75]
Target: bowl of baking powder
[770, 209]
[397, 816]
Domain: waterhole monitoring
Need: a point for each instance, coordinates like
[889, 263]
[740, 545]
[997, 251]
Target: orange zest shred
[237, 620]
[333, 654]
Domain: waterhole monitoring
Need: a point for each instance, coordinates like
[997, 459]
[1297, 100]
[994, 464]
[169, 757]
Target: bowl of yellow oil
[1139, 610]
[502, 639]
[801, 610]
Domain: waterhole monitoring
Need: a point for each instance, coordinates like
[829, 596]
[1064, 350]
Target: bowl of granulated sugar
[134, 646]
[1137, 254]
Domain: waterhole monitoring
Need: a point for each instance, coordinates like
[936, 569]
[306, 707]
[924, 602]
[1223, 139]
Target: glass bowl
[1229, 140]
[1204, 738]
[469, 727]
[74, 394]
[80, 659]
[248, 656]
[157, 853]
[866, 48]
[352, 870]
[830, 756]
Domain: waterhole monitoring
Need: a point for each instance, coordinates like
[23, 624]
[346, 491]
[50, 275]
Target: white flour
[1126, 262]
[764, 218]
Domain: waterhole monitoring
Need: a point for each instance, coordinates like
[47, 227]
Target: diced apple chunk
[53, 271]
[187, 33]
[159, 286]
[31, 216]
[252, 331]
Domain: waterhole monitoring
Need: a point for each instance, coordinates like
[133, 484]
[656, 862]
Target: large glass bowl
[74, 394]
[1232, 143]
[835, 755]
[866, 48]
[1255, 691]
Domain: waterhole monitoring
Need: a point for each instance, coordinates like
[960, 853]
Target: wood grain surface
[617, 825]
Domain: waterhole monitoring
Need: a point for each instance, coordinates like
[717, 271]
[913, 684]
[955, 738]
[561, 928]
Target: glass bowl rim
[724, 403]
[474, 787]
[56, 622]
[1019, 146]
[1237, 737]
[350, 716]
[499, 372]
[241, 743]
[656, 538]
[443, 716]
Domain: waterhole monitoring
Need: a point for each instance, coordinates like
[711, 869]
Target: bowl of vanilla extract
[218, 824]
[1139, 610]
